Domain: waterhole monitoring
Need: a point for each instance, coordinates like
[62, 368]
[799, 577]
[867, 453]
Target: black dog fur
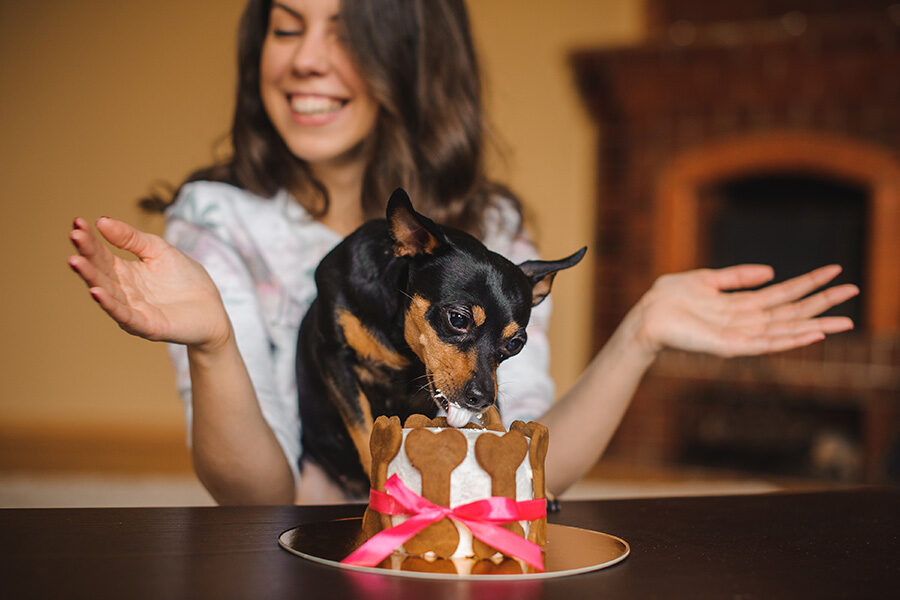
[408, 315]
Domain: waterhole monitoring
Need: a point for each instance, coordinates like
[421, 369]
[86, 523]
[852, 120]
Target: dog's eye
[458, 320]
[513, 346]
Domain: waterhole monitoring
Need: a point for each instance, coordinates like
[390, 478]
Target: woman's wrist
[215, 344]
[635, 338]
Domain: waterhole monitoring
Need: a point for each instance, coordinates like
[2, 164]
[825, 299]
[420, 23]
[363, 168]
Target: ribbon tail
[507, 542]
[382, 544]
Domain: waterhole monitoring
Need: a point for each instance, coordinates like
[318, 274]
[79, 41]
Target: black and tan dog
[409, 316]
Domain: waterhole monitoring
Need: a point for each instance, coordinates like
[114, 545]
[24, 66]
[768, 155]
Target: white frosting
[468, 482]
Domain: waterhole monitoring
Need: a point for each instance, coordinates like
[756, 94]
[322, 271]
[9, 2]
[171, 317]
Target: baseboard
[57, 448]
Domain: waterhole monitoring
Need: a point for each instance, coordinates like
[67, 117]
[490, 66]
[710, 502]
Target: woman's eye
[286, 32]
[458, 320]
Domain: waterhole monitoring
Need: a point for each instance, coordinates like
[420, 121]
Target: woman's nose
[312, 56]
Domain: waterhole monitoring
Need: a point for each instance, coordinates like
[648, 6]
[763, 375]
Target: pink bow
[481, 517]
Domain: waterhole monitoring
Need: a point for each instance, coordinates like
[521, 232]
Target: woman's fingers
[90, 247]
[121, 312]
[124, 236]
[815, 304]
[790, 290]
[89, 272]
[741, 276]
[770, 344]
[824, 325]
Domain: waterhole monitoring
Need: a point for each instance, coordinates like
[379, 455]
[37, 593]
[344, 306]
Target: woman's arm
[691, 311]
[235, 453]
[167, 296]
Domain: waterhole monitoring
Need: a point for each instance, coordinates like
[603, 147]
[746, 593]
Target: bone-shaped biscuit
[507, 566]
[490, 419]
[537, 452]
[539, 439]
[435, 455]
[384, 444]
[418, 564]
[500, 456]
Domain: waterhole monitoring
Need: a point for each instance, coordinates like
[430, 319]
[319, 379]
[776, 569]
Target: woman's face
[311, 90]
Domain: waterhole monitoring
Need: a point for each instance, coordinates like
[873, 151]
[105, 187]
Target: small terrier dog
[410, 317]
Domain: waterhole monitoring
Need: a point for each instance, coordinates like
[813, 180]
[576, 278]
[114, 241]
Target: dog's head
[468, 307]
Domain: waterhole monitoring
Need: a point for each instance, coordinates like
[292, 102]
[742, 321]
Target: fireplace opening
[772, 433]
[792, 221]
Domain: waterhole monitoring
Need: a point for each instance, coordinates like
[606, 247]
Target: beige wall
[100, 98]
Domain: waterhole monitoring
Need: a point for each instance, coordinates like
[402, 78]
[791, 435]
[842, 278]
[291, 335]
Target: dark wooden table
[816, 545]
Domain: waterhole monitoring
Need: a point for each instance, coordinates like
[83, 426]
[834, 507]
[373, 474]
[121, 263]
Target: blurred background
[664, 134]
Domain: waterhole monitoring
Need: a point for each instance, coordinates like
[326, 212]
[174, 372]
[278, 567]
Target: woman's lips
[309, 109]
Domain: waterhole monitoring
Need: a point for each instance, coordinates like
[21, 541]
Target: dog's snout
[476, 399]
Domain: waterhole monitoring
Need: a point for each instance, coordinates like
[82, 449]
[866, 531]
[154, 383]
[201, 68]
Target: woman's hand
[163, 296]
[695, 311]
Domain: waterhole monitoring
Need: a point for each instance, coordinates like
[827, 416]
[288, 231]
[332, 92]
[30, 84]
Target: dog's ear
[541, 273]
[413, 234]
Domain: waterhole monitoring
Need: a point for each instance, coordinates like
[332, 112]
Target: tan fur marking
[365, 344]
[542, 289]
[449, 368]
[410, 238]
[361, 432]
[478, 315]
[358, 426]
[510, 330]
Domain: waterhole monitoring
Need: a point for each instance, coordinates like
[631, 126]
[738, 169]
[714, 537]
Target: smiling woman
[310, 87]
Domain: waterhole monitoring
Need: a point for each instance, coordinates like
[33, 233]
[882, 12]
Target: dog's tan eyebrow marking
[449, 368]
[510, 330]
[478, 315]
[366, 344]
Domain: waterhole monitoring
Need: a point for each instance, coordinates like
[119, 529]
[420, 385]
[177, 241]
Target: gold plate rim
[551, 527]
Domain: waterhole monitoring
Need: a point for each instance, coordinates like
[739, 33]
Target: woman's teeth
[314, 105]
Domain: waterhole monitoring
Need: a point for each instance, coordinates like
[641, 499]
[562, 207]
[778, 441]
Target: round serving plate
[569, 551]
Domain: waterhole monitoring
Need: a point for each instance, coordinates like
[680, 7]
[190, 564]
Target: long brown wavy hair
[419, 61]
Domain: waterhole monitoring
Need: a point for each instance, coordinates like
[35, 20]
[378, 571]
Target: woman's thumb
[124, 236]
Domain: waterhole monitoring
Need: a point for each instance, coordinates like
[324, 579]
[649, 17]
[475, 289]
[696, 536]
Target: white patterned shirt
[262, 254]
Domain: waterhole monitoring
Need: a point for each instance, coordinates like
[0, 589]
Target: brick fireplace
[759, 131]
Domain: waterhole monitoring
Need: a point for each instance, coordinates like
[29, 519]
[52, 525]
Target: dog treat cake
[452, 467]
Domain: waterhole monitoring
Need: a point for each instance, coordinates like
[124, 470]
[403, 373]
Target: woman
[338, 103]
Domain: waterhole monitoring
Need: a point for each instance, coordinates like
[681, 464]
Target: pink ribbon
[481, 517]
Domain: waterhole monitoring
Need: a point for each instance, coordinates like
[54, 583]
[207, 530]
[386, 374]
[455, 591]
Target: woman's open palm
[698, 311]
[164, 295]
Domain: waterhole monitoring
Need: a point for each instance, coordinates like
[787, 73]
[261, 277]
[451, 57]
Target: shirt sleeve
[199, 228]
[526, 390]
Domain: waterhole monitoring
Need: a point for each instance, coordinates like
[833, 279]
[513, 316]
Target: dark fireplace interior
[794, 222]
[767, 432]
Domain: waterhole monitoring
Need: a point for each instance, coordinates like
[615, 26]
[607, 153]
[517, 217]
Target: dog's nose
[476, 399]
